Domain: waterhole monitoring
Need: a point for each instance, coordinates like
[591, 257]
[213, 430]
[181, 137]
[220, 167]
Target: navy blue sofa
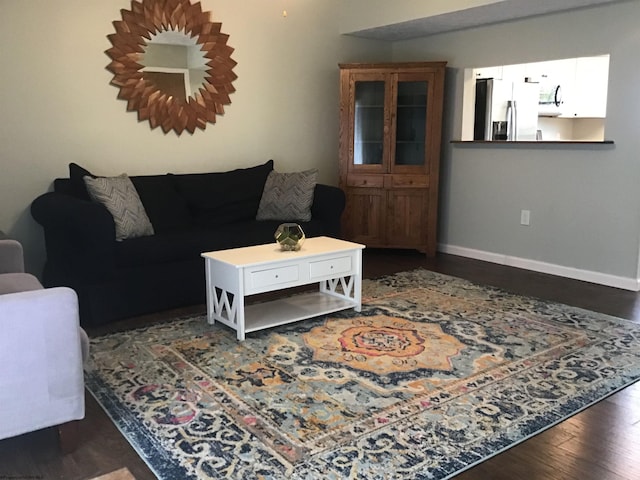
[190, 213]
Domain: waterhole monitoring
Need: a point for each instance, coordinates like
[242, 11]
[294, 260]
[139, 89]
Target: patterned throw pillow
[288, 196]
[120, 197]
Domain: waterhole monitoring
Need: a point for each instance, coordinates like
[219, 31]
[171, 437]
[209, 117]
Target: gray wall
[584, 201]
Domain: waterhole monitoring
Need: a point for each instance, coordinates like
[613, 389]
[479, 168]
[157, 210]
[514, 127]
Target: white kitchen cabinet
[558, 72]
[488, 72]
[514, 73]
[587, 97]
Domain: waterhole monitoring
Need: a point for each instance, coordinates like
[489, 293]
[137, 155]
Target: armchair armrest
[79, 237]
[41, 369]
[11, 256]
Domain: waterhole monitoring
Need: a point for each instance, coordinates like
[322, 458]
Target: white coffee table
[234, 274]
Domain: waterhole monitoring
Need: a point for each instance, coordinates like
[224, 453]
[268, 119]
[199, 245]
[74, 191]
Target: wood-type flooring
[600, 443]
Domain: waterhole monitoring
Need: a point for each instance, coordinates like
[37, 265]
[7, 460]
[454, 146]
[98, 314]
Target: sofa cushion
[288, 196]
[165, 207]
[120, 197]
[225, 197]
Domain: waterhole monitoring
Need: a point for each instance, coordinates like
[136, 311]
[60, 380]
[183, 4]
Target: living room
[59, 108]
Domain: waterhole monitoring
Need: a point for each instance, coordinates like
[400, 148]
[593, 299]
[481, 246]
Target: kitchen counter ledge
[527, 143]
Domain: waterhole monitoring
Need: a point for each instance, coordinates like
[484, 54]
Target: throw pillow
[288, 196]
[120, 197]
[76, 179]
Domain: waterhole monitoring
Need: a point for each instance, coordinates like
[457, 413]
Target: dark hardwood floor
[600, 443]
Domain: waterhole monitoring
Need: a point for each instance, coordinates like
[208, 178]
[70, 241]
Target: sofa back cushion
[166, 208]
[224, 197]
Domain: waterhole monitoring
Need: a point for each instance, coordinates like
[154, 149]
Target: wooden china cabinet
[390, 129]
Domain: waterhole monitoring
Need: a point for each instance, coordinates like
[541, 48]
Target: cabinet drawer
[409, 181]
[332, 266]
[273, 276]
[375, 181]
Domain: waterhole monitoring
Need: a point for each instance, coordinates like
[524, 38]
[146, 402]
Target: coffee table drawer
[330, 267]
[273, 276]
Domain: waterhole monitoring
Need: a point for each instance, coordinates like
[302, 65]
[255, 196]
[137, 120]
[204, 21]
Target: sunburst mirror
[172, 64]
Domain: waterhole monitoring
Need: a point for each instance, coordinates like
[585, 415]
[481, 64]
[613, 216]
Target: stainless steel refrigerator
[506, 110]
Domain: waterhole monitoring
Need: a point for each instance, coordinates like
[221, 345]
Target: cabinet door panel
[590, 88]
[407, 219]
[368, 127]
[411, 122]
[368, 107]
[364, 217]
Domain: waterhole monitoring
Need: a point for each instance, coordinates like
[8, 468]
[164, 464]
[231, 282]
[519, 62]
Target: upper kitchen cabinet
[588, 93]
[510, 73]
[553, 71]
[488, 72]
[390, 129]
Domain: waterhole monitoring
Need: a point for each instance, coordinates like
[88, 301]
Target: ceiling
[473, 17]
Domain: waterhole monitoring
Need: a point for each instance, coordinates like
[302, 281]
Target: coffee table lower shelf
[259, 316]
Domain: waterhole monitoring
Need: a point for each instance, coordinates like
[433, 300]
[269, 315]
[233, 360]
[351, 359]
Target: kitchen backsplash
[577, 129]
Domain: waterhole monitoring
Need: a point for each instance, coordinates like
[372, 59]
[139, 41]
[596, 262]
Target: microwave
[550, 101]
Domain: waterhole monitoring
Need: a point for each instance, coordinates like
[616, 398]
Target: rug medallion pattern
[434, 375]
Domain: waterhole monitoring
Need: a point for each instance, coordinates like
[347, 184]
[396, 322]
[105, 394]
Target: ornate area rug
[435, 375]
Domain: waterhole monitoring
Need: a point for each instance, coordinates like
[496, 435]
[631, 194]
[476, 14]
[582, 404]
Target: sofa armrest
[79, 238]
[40, 354]
[328, 205]
[11, 256]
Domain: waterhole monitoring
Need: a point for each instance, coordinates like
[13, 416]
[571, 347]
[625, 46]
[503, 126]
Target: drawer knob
[276, 276]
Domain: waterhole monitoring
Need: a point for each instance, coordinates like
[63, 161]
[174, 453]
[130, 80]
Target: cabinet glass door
[368, 134]
[411, 123]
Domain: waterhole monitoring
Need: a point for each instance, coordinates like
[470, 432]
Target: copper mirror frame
[147, 18]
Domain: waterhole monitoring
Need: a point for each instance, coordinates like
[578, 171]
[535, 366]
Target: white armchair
[41, 353]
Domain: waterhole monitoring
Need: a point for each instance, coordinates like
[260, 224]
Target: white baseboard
[625, 283]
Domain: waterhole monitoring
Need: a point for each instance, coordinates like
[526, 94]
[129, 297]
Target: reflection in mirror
[172, 65]
[175, 63]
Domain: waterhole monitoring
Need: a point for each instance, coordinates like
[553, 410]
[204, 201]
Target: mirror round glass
[173, 65]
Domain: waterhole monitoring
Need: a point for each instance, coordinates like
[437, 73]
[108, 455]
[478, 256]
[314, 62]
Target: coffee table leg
[357, 292]
[357, 284]
[240, 318]
[210, 290]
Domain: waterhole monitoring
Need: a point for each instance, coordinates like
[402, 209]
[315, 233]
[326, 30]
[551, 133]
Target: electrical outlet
[525, 217]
